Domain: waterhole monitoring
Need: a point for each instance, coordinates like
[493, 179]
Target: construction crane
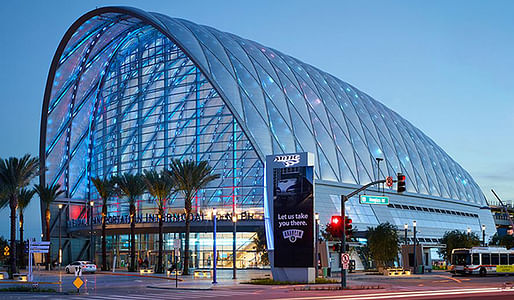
[506, 212]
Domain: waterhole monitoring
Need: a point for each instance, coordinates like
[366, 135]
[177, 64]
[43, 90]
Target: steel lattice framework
[129, 90]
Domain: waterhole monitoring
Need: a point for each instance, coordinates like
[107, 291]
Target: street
[436, 285]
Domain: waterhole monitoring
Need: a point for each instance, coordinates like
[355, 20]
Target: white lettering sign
[288, 160]
[292, 234]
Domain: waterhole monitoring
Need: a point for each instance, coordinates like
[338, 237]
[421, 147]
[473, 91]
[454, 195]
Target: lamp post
[378, 159]
[415, 262]
[60, 249]
[214, 247]
[469, 231]
[316, 218]
[234, 250]
[91, 253]
[406, 228]
[483, 235]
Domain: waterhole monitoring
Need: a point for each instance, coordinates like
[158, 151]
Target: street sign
[370, 199]
[389, 181]
[78, 282]
[345, 260]
[78, 271]
[36, 247]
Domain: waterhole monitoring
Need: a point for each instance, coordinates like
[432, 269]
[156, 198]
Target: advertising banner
[293, 214]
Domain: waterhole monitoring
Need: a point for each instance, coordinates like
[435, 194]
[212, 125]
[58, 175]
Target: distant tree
[190, 176]
[506, 241]
[327, 233]
[105, 189]
[23, 201]
[15, 174]
[383, 243]
[160, 186]
[131, 186]
[48, 194]
[457, 239]
[261, 248]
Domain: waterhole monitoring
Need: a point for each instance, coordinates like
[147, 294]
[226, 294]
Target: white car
[86, 266]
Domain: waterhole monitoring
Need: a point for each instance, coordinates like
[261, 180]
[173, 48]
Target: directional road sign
[370, 199]
[78, 282]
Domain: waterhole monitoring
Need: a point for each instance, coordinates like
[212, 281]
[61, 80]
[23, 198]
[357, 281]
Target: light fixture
[469, 230]
[316, 216]
[92, 203]
[234, 218]
[406, 226]
[483, 227]
[60, 205]
[414, 223]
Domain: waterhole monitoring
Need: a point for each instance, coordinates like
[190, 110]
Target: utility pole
[345, 198]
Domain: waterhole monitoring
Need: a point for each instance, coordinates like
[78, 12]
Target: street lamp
[214, 246]
[316, 218]
[234, 250]
[483, 235]
[415, 262]
[406, 228]
[60, 249]
[91, 253]
[469, 231]
[378, 159]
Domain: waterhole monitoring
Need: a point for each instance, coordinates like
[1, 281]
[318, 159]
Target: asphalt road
[430, 286]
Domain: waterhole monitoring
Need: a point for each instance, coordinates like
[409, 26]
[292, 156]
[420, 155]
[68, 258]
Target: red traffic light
[400, 184]
[335, 220]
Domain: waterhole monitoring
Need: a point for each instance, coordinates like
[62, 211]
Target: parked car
[86, 266]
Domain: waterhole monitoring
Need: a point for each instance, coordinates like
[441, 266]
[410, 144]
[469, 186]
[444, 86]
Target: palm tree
[105, 188]
[131, 186]
[160, 186]
[190, 176]
[15, 174]
[47, 195]
[23, 201]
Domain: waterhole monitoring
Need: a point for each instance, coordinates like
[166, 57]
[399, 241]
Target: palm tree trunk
[132, 238]
[22, 243]
[186, 250]
[159, 260]
[13, 205]
[47, 218]
[104, 243]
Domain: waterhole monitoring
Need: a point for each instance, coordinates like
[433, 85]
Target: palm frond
[48, 194]
[24, 197]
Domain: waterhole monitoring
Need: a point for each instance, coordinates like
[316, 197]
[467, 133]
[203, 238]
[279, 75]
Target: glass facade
[130, 90]
[201, 245]
[123, 67]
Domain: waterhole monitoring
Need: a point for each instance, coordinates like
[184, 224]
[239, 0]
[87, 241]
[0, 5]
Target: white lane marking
[407, 294]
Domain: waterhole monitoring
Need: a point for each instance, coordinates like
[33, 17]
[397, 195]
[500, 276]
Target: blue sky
[446, 66]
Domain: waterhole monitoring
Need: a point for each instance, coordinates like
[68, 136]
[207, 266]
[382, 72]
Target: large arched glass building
[130, 90]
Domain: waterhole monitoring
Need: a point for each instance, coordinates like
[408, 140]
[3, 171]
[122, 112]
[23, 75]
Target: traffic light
[400, 184]
[336, 247]
[347, 227]
[336, 226]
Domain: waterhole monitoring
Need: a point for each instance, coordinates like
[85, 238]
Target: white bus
[483, 260]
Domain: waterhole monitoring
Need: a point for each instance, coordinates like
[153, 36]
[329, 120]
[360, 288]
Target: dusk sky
[446, 66]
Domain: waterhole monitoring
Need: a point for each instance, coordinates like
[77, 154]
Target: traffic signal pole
[345, 198]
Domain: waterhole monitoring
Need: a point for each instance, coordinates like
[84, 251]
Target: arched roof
[283, 104]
